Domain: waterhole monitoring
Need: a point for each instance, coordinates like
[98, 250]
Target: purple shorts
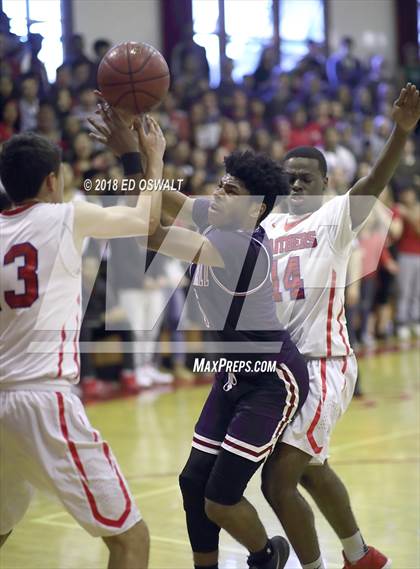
[247, 416]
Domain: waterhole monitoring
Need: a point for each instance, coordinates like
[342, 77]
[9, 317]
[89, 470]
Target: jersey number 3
[26, 273]
[292, 280]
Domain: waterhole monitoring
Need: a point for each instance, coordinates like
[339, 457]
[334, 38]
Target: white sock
[354, 547]
[318, 564]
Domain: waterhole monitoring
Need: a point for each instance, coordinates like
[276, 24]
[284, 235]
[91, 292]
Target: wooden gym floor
[375, 449]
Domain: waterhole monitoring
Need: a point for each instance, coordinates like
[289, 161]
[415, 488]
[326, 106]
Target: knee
[276, 488]
[217, 513]
[134, 540]
[268, 488]
[316, 478]
[192, 488]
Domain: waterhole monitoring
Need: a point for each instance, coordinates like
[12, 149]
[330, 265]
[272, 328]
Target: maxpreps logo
[202, 365]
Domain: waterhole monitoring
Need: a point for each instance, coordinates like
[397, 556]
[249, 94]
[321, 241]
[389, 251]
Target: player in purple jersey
[245, 412]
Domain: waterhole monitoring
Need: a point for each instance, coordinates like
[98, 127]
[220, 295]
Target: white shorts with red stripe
[47, 443]
[331, 386]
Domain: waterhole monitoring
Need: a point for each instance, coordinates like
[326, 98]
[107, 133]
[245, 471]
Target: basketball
[133, 76]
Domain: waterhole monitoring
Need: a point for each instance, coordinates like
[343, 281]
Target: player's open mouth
[297, 197]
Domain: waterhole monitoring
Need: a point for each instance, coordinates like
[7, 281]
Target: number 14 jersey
[310, 258]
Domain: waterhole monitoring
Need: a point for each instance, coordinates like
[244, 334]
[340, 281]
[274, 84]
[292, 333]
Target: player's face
[306, 184]
[232, 205]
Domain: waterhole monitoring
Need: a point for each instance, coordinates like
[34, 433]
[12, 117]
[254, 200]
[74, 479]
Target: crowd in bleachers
[338, 103]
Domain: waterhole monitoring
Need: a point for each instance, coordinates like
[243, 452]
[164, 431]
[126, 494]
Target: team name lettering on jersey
[295, 242]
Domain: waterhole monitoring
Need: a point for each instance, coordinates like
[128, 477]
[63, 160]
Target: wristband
[131, 163]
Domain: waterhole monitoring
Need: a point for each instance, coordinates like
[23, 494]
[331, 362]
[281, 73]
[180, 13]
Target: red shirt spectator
[10, 117]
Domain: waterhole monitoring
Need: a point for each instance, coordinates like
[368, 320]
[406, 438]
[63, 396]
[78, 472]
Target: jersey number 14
[292, 280]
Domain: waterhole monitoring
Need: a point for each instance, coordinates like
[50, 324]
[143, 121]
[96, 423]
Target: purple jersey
[237, 301]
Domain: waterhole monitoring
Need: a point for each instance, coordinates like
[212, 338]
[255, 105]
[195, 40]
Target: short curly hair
[261, 175]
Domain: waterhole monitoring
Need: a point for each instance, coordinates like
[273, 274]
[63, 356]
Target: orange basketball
[133, 76]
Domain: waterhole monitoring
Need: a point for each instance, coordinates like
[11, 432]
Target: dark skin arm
[185, 245]
[406, 114]
[176, 204]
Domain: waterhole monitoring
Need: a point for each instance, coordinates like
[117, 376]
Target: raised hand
[150, 136]
[406, 109]
[113, 130]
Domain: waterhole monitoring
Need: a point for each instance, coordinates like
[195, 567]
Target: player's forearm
[149, 203]
[384, 167]
[185, 245]
[175, 204]
[154, 171]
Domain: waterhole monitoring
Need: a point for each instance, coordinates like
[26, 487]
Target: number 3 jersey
[40, 289]
[310, 257]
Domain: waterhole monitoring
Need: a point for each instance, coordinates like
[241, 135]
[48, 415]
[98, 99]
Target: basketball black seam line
[131, 78]
[136, 91]
[107, 61]
[116, 103]
[145, 62]
[115, 69]
[135, 82]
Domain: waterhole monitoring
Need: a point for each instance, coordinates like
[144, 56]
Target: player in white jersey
[46, 440]
[312, 245]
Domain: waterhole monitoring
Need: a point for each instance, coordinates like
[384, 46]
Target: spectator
[185, 53]
[100, 47]
[363, 102]
[47, 124]
[338, 156]
[172, 117]
[281, 96]
[257, 113]
[63, 78]
[227, 84]
[6, 89]
[63, 105]
[302, 133]
[313, 61]
[82, 155]
[239, 108]
[387, 270]
[76, 51]
[408, 307]
[265, 69]
[82, 76]
[86, 106]
[367, 137]
[32, 64]
[408, 171]
[343, 67]
[9, 120]
[29, 103]
[411, 68]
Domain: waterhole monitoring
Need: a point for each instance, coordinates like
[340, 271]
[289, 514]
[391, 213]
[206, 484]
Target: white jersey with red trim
[310, 258]
[40, 290]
